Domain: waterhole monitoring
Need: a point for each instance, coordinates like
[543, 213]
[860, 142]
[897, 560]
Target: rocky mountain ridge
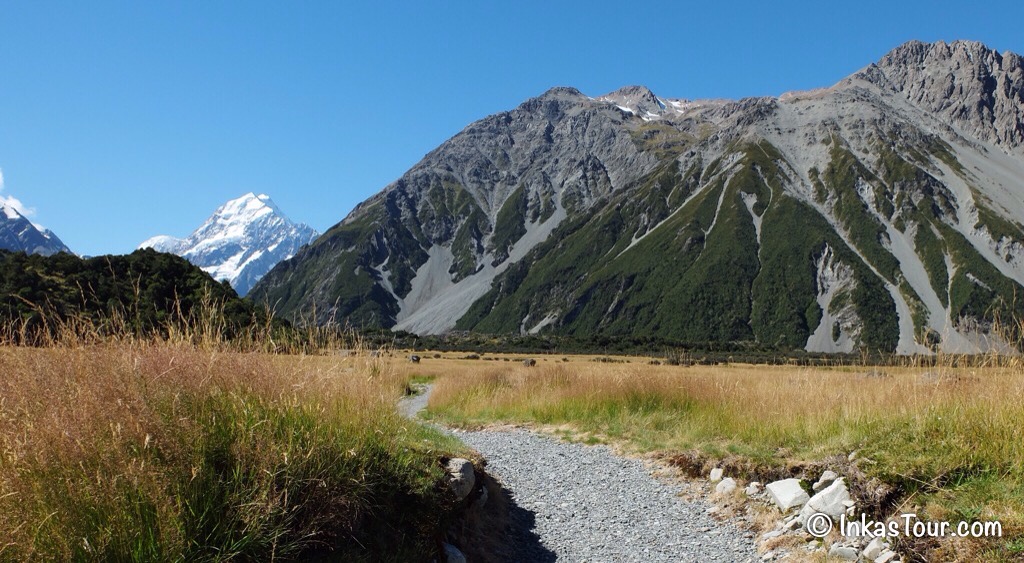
[17, 233]
[881, 213]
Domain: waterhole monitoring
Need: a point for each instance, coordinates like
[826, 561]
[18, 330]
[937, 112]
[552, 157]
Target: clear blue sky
[119, 121]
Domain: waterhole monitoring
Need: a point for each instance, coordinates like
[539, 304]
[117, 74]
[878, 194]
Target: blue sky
[119, 121]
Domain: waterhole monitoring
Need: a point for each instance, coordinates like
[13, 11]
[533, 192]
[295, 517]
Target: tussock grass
[945, 440]
[185, 449]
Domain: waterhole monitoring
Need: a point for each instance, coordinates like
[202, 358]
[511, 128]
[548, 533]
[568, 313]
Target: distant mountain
[240, 242]
[882, 213]
[18, 233]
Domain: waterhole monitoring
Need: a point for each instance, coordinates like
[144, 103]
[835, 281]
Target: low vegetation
[141, 293]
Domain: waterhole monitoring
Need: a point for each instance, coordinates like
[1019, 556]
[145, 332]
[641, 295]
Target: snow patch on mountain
[240, 242]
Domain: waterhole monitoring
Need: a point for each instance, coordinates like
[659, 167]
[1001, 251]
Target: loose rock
[825, 480]
[726, 486]
[844, 552]
[452, 554]
[460, 477]
[874, 549]
[787, 494]
[829, 501]
[716, 474]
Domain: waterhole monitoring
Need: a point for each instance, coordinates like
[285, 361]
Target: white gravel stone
[844, 552]
[828, 501]
[726, 486]
[460, 477]
[874, 549]
[826, 479]
[787, 494]
[452, 554]
[716, 474]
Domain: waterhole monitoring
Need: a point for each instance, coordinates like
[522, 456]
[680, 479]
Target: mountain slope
[18, 233]
[881, 213]
[240, 242]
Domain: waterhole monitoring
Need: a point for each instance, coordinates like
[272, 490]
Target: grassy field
[195, 449]
[149, 450]
[944, 441]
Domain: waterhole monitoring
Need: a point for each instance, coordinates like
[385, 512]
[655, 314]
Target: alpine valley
[882, 213]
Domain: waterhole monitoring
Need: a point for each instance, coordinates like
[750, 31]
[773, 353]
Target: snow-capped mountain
[18, 233]
[883, 213]
[240, 242]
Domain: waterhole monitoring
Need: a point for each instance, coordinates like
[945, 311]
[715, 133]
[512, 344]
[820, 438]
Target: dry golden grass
[946, 440]
[156, 450]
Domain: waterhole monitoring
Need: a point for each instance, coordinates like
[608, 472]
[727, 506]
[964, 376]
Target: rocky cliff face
[18, 233]
[883, 213]
[980, 91]
[240, 242]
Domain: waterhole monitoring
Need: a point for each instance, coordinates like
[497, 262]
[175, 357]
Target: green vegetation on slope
[842, 178]
[933, 256]
[698, 277]
[661, 139]
[510, 224]
[147, 291]
[990, 294]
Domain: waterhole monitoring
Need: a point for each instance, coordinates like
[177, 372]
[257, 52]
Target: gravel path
[591, 505]
[410, 405]
[583, 503]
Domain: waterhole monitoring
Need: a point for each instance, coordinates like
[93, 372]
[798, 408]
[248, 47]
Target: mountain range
[17, 233]
[240, 242]
[881, 213]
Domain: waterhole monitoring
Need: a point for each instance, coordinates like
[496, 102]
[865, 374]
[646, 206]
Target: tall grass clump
[188, 448]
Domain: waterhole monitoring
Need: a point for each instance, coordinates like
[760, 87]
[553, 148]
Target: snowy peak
[163, 243]
[240, 242]
[639, 97]
[19, 234]
[641, 102]
[239, 213]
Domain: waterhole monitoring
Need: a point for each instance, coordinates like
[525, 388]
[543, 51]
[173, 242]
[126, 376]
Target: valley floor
[941, 441]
